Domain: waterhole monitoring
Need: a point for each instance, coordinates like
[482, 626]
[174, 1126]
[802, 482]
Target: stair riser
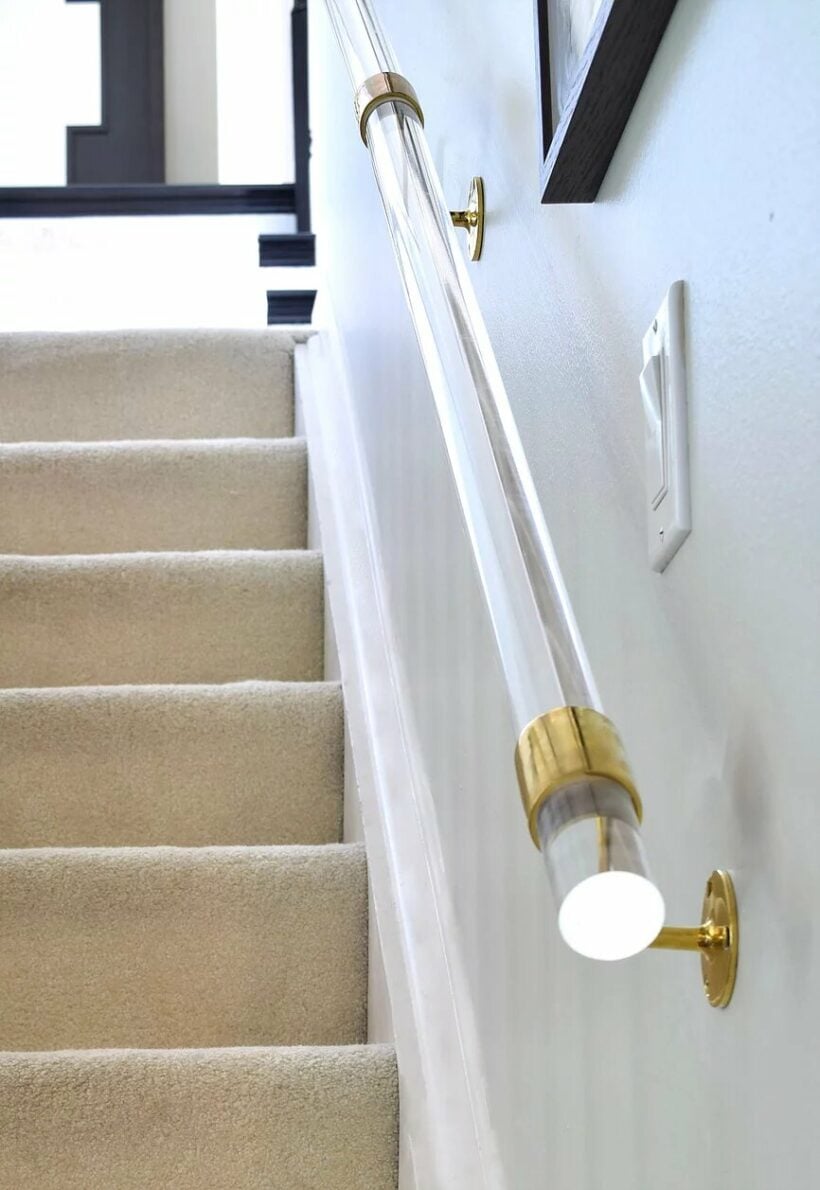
[189, 766]
[160, 618]
[163, 948]
[151, 385]
[117, 498]
[222, 1119]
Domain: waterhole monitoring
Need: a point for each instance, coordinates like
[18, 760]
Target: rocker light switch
[663, 394]
[651, 393]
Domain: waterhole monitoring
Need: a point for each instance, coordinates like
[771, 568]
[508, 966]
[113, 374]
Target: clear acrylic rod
[538, 640]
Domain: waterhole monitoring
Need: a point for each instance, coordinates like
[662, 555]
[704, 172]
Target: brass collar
[386, 87]
[567, 745]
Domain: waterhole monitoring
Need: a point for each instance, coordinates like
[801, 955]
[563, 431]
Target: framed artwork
[593, 56]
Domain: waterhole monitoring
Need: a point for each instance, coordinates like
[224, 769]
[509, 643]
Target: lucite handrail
[540, 648]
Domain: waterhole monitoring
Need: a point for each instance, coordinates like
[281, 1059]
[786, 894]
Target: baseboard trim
[445, 1117]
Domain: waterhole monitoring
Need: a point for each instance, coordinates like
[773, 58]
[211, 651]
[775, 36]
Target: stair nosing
[292, 443]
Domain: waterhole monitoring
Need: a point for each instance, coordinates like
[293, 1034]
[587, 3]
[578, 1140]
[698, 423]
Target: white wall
[228, 100]
[619, 1077]
[255, 105]
[49, 77]
[79, 274]
[158, 271]
[189, 60]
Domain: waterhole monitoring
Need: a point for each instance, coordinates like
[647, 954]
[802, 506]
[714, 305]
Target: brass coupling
[564, 746]
[385, 87]
[465, 219]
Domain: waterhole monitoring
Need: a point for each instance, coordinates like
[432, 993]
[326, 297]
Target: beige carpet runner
[183, 936]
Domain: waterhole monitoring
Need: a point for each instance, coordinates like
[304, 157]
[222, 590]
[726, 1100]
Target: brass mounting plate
[719, 963]
[472, 218]
[475, 205]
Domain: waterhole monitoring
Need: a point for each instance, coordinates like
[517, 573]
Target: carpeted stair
[183, 935]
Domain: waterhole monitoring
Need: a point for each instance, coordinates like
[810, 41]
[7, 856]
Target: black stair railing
[301, 125]
[127, 181]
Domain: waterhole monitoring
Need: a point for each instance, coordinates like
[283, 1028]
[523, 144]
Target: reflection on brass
[567, 745]
[387, 87]
[717, 939]
[472, 218]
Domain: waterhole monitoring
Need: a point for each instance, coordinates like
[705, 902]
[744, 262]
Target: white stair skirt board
[445, 1121]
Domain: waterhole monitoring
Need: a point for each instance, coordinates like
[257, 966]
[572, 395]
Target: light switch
[653, 412]
[663, 396]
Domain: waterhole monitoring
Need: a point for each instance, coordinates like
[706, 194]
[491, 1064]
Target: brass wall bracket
[717, 938]
[472, 218]
[387, 87]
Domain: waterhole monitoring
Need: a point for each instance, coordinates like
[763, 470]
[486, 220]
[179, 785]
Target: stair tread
[236, 763]
[64, 386]
[209, 616]
[230, 1119]
[172, 947]
[201, 494]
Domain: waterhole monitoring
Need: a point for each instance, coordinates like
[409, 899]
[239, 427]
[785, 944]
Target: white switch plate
[663, 393]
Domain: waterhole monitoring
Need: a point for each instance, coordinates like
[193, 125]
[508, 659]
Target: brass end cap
[386, 87]
[567, 745]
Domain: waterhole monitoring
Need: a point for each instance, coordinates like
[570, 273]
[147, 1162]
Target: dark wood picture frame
[579, 141]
